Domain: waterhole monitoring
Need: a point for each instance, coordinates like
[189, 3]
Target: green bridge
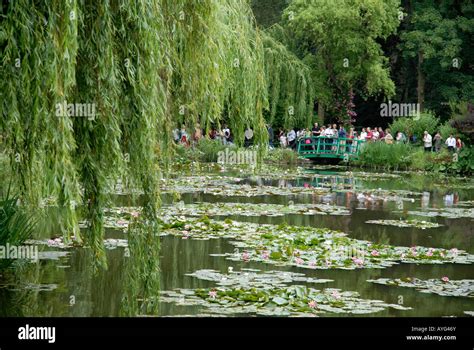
[328, 147]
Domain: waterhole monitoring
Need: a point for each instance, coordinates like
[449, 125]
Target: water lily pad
[421, 224]
[442, 286]
[294, 300]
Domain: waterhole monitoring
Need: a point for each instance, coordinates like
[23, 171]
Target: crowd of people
[290, 138]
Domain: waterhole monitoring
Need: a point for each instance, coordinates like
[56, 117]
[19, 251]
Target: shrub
[416, 126]
[209, 149]
[281, 155]
[446, 129]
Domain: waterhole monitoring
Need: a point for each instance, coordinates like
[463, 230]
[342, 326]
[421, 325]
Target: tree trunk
[421, 82]
[321, 112]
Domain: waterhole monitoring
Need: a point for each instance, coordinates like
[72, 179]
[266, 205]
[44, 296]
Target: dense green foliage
[437, 35]
[339, 39]
[400, 156]
[416, 125]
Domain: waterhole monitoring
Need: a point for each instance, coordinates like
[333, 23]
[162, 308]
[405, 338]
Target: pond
[410, 236]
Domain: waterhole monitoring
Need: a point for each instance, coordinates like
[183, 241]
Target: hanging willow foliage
[290, 88]
[140, 66]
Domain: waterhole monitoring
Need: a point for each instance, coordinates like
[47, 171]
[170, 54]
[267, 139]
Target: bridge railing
[329, 147]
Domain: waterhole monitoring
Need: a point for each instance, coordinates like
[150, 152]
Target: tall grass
[379, 155]
[15, 225]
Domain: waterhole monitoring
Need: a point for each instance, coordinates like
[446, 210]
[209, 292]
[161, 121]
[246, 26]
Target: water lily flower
[375, 253]
[212, 294]
[358, 261]
[299, 261]
[312, 304]
[265, 255]
[445, 279]
[245, 256]
[187, 227]
[312, 263]
[454, 251]
[335, 294]
[135, 214]
[51, 242]
[429, 252]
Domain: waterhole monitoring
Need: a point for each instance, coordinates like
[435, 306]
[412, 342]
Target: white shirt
[291, 135]
[451, 142]
[427, 140]
[363, 135]
[248, 134]
[328, 132]
[375, 135]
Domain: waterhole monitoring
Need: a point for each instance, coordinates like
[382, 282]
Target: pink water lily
[265, 255]
[358, 261]
[454, 251]
[375, 253]
[312, 263]
[212, 294]
[135, 214]
[299, 261]
[245, 256]
[335, 294]
[429, 252]
[445, 279]
[312, 304]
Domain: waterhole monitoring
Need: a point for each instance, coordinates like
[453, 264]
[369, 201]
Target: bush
[454, 163]
[281, 155]
[209, 149]
[446, 129]
[416, 126]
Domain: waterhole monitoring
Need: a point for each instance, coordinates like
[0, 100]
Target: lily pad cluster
[421, 224]
[293, 300]
[441, 286]
[252, 209]
[448, 212]
[254, 278]
[306, 247]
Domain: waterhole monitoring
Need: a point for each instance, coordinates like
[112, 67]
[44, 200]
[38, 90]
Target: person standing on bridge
[316, 131]
[437, 142]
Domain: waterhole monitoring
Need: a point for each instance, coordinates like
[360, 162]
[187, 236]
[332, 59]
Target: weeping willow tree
[218, 65]
[141, 66]
[290, 88]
